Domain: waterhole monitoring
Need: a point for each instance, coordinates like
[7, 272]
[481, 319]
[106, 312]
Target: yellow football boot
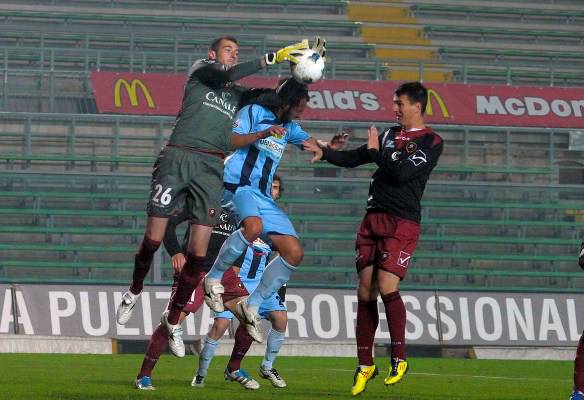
[397, 371]
[362, 376]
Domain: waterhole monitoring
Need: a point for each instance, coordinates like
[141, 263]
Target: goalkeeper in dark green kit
[189, 171]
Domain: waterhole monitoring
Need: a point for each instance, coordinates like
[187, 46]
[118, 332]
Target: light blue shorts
[269, 305]
[250, 202]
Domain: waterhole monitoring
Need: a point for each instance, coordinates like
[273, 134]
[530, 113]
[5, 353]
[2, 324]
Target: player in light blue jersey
[251, 266]
[247, 178]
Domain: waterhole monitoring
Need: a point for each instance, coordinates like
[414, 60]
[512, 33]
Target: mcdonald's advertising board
[344, 100]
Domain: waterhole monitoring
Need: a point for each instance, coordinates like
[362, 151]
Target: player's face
[227, 54]
[275, 190]
[405, 111]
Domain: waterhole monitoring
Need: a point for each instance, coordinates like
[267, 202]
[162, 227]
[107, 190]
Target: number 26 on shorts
[162, 196]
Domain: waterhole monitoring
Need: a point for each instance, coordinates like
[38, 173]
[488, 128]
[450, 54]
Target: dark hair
[416, 92]
[217, 42]
[288, 93]
[291, 92]
[278, 177]
[263, 96]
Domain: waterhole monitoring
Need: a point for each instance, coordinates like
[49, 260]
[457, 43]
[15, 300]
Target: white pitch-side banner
[450, 318]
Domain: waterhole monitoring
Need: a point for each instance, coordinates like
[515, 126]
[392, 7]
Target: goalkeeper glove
[284, 54]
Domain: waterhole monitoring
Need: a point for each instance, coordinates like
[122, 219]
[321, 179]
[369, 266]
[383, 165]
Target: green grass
[88, 377]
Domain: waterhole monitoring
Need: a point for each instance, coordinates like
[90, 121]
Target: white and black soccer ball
[310, 67]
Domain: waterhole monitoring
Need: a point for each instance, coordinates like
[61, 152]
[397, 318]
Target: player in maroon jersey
[405, 155]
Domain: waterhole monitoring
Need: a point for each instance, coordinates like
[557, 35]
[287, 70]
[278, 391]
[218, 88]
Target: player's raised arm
[244, 132]
[410, 162]
[239, 140]
[341, 158]
[215, 74]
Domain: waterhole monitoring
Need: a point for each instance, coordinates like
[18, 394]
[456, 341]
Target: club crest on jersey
[390, 144]
[211, 212]
[411, 147]
[395, 155]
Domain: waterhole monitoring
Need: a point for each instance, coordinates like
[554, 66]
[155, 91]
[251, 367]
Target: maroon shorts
[197, 298]
[387, 242]
[233, 286]
[231, 282]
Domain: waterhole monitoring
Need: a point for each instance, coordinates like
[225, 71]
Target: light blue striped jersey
[254, 264]
[255, 165]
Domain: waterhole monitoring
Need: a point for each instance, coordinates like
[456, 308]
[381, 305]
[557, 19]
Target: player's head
[287, 101]
[293, 97]
[224, 50]
[277, 187]
[409, 103]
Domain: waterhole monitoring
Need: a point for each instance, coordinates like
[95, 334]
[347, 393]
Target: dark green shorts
[183, 178]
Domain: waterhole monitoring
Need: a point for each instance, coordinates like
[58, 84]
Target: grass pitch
[104, 377]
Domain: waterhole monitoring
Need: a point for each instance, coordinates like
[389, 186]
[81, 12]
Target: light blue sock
[207, 355]
[232, 248]
[276, 274]
[275, 342]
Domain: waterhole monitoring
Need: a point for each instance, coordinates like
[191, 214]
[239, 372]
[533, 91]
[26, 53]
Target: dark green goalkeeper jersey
[209, 104]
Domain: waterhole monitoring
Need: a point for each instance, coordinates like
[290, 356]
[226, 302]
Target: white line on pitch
[473, 376]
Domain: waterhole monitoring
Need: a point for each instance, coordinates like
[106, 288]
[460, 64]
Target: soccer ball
[310, 66]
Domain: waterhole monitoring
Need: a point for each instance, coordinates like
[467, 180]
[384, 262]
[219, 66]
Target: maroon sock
[190, 276]
[242, 344]
[142, 262]
[579, 366]
[367, 322]
[156, 346]
[395, 310]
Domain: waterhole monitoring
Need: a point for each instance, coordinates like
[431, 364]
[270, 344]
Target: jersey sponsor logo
[403, 260]
[221, 104]
[418, 158]
[395, 155]
[224, 217]
[390, 144]
[236, 123]
[272, 146]
[132, 91]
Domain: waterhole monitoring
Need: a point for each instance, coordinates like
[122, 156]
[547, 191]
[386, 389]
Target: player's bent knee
[294, 256]
[296, 253]
[252, 228]
[279, 320]
[218, 329]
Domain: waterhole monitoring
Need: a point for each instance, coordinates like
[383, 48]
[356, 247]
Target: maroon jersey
[405, 161]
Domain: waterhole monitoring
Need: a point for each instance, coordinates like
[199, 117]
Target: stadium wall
[445, 318]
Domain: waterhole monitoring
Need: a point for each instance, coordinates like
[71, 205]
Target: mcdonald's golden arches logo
[439, 100]
[131, 89]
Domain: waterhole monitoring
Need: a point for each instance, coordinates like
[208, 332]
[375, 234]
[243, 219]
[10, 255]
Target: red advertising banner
[340, 100]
